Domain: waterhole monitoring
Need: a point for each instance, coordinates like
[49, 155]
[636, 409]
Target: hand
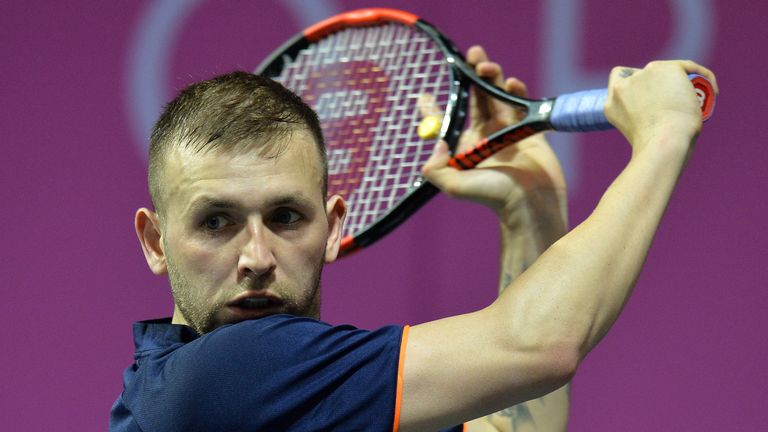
[655, 101]
[512, 181]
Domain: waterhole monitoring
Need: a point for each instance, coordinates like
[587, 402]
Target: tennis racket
[386, 86]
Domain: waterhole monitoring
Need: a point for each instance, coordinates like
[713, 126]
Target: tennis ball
[429, 127]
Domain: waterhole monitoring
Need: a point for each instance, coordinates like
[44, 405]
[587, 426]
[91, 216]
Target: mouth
[251, 305]
[256, 303]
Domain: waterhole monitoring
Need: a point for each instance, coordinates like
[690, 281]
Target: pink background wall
[82, 77]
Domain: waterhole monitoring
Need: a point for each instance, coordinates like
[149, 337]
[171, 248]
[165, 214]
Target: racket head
[374, 76]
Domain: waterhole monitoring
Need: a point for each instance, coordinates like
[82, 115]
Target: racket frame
[538, 112]
[454, 116]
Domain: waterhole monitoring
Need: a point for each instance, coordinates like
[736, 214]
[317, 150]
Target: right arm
[531, 339]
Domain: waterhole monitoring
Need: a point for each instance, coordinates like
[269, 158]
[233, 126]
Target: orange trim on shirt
[400, 371]
[399, 391]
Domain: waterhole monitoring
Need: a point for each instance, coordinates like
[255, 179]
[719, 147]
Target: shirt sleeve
[275, 373]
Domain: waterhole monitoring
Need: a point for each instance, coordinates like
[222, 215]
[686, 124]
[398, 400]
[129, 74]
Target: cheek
[202, 260]
[309, 249]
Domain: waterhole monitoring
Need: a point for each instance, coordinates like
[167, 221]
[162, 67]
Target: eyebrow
[290, 200]
[208, 203]
[205, 202]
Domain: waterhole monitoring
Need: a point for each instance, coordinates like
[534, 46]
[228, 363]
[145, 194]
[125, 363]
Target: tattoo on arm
[509, 273]
[517, 415]
[506, 279]
[627, 72]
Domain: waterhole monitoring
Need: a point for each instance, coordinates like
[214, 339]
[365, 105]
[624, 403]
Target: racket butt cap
[705, 93]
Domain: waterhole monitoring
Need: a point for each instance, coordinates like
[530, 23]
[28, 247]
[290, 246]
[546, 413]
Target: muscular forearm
[537, 226]
[548, 413]
[574, 292]
[527, 233]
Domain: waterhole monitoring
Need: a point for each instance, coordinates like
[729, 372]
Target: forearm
[541, 222]
[527, 233]
[548, 413]
[529, 342]
[574, 292]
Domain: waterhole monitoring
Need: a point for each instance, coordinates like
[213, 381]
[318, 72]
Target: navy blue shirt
[277, 373]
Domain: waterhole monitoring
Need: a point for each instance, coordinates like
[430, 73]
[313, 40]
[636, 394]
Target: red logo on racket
[349, 98]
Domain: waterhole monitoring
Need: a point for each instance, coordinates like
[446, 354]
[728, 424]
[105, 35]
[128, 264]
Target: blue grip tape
[582, 111]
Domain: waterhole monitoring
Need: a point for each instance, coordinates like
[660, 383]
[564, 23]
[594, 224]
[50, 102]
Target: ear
[336, 211]
[147, 226]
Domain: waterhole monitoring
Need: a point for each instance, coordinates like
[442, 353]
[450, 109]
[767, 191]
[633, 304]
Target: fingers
[484, 68]
[688, 66]
[436, 169]
[427, 105]
[516, 87]
[660, 74]
[492, 71]
[487, 111]
[620, 73]
[657, 96]
[482, 105]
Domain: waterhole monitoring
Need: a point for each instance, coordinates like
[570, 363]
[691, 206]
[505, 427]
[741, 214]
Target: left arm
[546, 222]
[549, 412]
[527, 191]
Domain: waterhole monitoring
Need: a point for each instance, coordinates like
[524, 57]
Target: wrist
[526, 233]
[542, 217]
[668, 140]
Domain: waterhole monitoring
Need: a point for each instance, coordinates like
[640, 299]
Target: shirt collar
[160, 334]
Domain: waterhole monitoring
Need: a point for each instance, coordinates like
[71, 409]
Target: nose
[256, 255]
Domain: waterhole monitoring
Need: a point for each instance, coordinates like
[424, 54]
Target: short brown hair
[227, 112]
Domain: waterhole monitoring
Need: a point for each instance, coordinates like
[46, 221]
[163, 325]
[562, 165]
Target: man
[242, 226]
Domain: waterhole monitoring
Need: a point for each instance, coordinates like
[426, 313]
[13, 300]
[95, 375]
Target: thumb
[437, 171]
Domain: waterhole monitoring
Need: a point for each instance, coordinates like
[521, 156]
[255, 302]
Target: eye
[286, 217]
[215, 223]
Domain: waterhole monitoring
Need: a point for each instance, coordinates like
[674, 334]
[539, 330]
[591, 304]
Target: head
[241, 223]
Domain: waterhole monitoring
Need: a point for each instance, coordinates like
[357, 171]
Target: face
[244, 236]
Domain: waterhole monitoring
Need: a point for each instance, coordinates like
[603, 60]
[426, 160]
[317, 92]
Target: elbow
[552, 367]
[551, 355]
[556, 367]
[562, 360]
[547, 365]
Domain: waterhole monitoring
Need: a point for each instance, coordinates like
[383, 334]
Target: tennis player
[242, 227]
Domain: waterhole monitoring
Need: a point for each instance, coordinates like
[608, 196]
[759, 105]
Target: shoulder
[295, 338]
[291, 367]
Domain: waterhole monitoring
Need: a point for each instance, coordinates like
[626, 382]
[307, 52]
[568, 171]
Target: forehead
[246, 173]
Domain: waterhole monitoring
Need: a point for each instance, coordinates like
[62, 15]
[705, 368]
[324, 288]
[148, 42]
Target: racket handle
[584, 111]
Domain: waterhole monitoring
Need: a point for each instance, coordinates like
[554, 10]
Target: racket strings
[365, 84]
